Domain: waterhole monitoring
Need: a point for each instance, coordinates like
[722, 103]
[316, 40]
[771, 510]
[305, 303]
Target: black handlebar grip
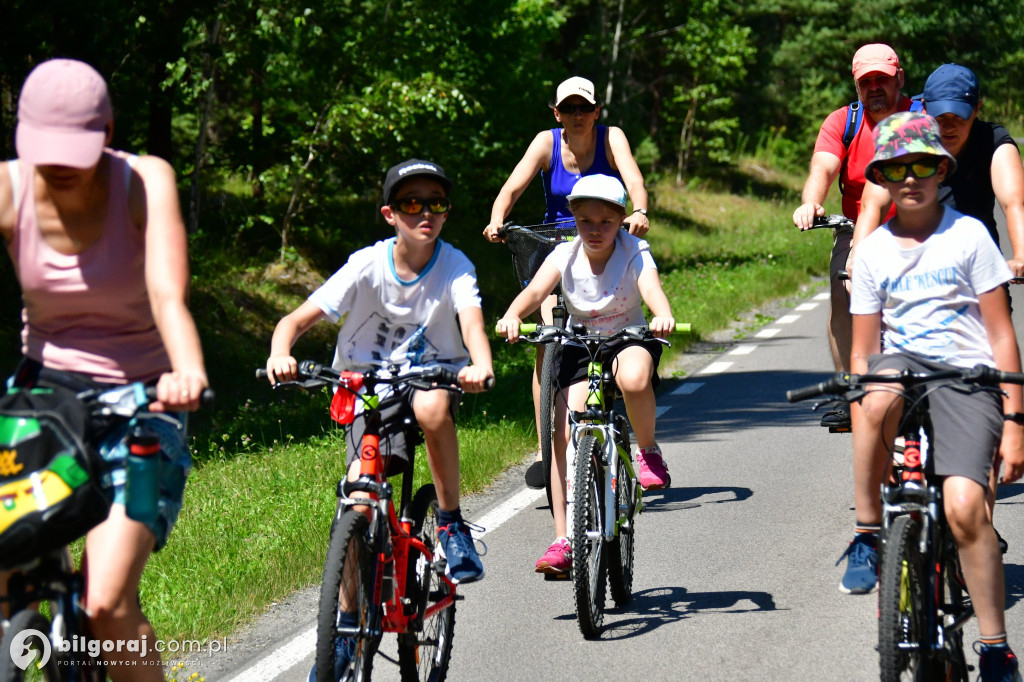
[261, 373]
[798, 394]
[207, 397]
[489, 384]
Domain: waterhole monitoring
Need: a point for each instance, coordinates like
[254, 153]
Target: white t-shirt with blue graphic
[928, 294]
[388, 321]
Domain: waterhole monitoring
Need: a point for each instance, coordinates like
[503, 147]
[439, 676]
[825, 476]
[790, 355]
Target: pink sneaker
[558, 558]
[653, 470]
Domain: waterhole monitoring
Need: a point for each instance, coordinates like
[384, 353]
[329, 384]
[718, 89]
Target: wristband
[641, 211]
[1015, 417]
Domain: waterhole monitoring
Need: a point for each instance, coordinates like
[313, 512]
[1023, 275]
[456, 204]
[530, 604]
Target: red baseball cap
[875, 58]
[63, 112]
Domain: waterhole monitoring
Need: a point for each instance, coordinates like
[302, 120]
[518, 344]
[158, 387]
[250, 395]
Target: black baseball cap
[412, 168]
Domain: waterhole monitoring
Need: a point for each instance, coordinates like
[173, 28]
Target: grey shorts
[399, 433]
[965, 429]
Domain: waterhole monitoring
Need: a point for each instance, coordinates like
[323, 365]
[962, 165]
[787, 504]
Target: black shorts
[571, 360]
[399, 434]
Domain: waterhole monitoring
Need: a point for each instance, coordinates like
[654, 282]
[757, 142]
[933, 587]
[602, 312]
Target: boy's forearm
[1007, 359]
[475, 337]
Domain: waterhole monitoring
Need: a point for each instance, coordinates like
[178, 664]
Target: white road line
[661, 409]
[281, 659]
[787, 319]
[823, 296]
[716, 367]
[506, 510]
[687, 388]
[743, 349]
[767, 333]
[804, 307]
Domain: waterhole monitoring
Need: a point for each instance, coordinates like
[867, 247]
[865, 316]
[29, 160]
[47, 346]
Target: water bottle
[142, 488]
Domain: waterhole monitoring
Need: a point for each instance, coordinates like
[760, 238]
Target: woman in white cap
[100, 249]
[580, 147]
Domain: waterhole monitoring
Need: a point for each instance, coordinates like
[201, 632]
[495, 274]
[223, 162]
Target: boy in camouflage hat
[927, 283]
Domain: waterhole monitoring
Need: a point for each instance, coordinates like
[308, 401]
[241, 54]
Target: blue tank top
[558, 182]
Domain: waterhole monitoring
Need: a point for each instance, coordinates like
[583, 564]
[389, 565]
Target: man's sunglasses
[897, 172]
[570, 109]
[416, 205]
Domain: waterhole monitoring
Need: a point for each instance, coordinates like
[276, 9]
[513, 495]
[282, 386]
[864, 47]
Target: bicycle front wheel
[347, 589]
[620, 550]
[545, 428]
[588, 556]
[902, 618]
[425, 652]
[29, 648]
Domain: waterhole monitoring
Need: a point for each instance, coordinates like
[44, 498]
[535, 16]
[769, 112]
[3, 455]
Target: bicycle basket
[530, 248]
[50, 493]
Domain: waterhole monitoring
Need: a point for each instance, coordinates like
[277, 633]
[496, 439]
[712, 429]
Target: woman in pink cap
[100, 249]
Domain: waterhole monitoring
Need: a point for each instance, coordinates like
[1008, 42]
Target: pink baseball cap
[875, 58]
[63, 111]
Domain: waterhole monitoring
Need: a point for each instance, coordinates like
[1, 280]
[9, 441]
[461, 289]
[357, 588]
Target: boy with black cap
[931, 280]
[409, 301]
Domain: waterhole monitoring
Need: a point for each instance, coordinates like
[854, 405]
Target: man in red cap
[879, 81]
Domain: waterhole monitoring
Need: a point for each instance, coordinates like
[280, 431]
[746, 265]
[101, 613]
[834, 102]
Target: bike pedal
[840, 429]
[557, 577]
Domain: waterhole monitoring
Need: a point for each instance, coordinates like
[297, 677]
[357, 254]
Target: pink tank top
[87, 312]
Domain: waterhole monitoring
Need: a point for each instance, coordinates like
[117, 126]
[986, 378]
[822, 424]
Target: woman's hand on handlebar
[662, 326]
[508, 327]
[476, 378]
[491, 233]
[637, 224]
[179, 391]
[281, 368]
[804, 215]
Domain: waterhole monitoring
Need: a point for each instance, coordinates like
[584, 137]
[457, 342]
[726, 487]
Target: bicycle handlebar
[314, 375]
[125, 401]
[836, 220]
[542, 333]
[842, 382]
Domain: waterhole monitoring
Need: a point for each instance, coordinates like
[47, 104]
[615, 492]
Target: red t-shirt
[861, 151]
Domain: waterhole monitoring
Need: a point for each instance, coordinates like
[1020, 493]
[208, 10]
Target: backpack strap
[15, 175]
[854, 120]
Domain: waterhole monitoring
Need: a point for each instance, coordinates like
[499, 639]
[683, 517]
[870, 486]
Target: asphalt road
[734, 576]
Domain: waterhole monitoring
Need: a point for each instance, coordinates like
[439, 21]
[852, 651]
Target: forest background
[281, 118]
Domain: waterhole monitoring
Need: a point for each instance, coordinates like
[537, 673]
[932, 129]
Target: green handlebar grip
[525, 328]
[682, 327]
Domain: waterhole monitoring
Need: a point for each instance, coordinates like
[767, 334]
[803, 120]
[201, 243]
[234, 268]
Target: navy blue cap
[951, 89]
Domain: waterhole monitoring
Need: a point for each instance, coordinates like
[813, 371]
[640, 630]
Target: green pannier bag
[50, 478]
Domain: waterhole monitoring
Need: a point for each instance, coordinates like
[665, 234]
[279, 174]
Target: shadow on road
[1014, 583]
[651, 609]
[727, 402]
[674, 499]
[1008, 491]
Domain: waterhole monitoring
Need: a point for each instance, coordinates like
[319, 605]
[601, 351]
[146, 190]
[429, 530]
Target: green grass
[258, 505]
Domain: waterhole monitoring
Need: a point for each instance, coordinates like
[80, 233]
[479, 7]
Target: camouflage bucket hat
[906, 133]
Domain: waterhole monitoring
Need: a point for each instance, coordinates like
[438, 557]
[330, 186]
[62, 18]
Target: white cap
[603, 187]
[575, 86]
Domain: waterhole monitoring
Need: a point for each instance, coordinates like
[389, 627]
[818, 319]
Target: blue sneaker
[344, 651]
[998, 664]
[861, 564]
[455, 544]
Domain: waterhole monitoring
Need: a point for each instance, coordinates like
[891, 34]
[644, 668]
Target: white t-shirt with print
[609, 301]
[928, 294]
[394, 322]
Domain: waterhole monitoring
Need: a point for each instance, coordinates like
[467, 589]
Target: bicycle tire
[27, 620]
[425, 653]
[588, 555]
[545, 428]
[349, 565]
[620, 550]
[901, 604]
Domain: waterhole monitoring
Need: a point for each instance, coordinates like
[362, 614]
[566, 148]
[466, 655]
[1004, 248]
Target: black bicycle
[530, 245]
[923, 602]
[51, 578]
